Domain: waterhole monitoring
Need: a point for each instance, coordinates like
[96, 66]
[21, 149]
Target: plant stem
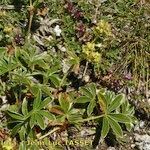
[86, 66]
[65, 76]
[47, 134]
[9, 7]
[147, 82]
[31, 17]
[91, 118]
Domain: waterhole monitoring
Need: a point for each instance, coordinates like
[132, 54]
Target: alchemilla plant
[71, 70]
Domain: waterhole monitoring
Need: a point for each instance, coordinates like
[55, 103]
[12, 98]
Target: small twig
[86, 66]
[147, 84]
[31, 11]
[10, 7]
[65, 76]
[96, 11]
[91, 118]
[47, 134]
[30, 23]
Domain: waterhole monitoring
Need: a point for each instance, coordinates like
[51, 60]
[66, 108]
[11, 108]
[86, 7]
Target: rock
[136, 128]
[66, 66]
[57, 30]
[83, 133]
[130, 137]
[4, 99]
[4, 106]
[102, 1]
[142, 141]
[142, 123]
[111, 148]
[133, 145]
[86, 78]
[148, 101]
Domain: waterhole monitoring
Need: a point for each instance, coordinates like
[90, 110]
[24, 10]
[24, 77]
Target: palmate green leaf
[82, 99]
[53, 70]
[129, 126]
[55, 80]
[102, 102]
[13, 108]
[24, 54]
[34, 146]
[35, 89]
[37, 100]
[45, 102]
[22, 77]
[15, 122]
[42, 64]
[105, 127]
[92, 88]
[40, 120]
[115, 127]
[23, 145]
[87, 92]
[16, 129]
[65, 102]
[32, 121]
[15, 115]
[73, 118]
[2, 51]
[31, 134]
[25, 106]
[116, 102]
[124, 107]
[109, 95]
[46, 89]
[120, 118]
[90, 107]
[22, 133]
[7, 65]
[47, 114]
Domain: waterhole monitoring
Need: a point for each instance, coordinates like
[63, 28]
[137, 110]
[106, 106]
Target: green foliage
[89, 95]
[111, 105]
[70, 113]
[7, 64]
[27, 119]
[114, 109]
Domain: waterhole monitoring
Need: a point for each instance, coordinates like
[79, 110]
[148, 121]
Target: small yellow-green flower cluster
[2, 13]
[90, 52]
[103, 27]
[8, 29]
[8, 144]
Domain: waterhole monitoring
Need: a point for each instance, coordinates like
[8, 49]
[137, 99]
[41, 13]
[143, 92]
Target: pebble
[83, 133]
[141, 125]
[136, 128]
[57, 30]
[102, 1]
[142, 141]
[63, 49]
[86, 78]
[148, 101]
[111, 148]
[4, 99]
[66, 66]
[133, 145]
